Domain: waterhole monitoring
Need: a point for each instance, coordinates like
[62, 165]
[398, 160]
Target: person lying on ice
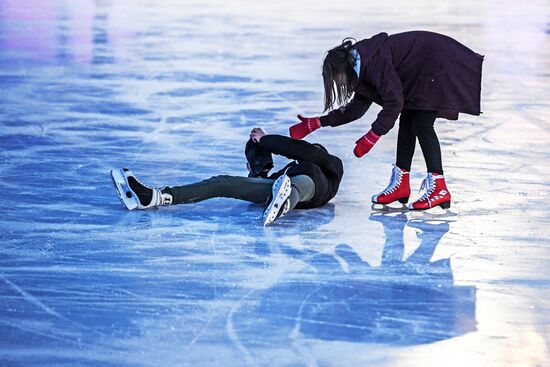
[310, 181]
[420, 75]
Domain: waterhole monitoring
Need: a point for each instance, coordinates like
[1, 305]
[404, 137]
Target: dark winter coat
[326, 170]
[415, 70]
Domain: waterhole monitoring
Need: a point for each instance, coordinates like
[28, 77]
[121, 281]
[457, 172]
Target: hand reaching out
[306, 126]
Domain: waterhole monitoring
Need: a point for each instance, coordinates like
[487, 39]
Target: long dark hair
[339, 61]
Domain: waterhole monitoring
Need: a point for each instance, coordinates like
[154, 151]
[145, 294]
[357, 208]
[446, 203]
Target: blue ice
[170, 90]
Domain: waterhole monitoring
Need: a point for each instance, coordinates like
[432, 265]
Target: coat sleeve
[299, 150]
[356, 108]
[385, 80]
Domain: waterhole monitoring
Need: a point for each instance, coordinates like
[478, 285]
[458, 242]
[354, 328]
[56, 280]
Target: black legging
[418, 124]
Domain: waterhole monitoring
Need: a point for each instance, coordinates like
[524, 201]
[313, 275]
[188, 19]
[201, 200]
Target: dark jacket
[416, 70]
[326, 170]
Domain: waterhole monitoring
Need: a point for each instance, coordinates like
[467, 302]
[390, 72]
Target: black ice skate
[279, 203]
[134, 194]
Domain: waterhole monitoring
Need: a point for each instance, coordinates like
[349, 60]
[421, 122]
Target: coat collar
[357, 58]
[368, 47]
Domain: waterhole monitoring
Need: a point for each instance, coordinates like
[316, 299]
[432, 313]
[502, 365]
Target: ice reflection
[170, 88]
[341, 297]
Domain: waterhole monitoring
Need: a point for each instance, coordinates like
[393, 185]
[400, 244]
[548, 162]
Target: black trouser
[253, 189]
[418, 124]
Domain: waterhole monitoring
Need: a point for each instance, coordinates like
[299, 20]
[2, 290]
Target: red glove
[306, 126]
[365, 143]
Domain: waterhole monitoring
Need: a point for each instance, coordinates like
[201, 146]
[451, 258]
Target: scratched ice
[170, 89]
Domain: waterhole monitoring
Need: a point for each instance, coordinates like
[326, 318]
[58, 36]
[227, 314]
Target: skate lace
[129, 174]
[395, 181]
[147, 195]
[428, 184]
[161, 198]
[142, 184]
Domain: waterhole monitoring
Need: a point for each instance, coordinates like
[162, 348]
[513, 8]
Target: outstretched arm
[354, 110]
[388, 85]
[348, 113]
[297, 150]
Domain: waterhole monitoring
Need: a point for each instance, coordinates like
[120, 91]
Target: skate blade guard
[281, 192]
[126, 195]
[432, 213]
[390, 208]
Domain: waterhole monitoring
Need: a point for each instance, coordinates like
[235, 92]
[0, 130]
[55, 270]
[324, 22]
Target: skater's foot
[436, 195]
[398, 188]
[134, 194]
[279, 203]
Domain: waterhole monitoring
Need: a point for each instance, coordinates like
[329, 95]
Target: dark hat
[260, 160]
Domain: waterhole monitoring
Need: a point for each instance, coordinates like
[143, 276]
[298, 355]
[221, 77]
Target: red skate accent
[436, 194]
[398, 189]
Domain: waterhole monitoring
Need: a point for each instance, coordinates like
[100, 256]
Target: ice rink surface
[170, 90]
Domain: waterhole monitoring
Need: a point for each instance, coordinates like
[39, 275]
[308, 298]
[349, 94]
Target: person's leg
[423, 127]
[303, 189]
[398, 188]
[287, 192]
[437, 193]
[253, 189]
[406, 141]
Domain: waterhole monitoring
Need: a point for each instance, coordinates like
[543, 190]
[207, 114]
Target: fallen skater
[310, 181]
[419, 75]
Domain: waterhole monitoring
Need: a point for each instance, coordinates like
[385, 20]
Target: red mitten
[365, 143]
[306, 126]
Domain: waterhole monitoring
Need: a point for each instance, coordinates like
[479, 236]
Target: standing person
[420, 75]
[308, 182]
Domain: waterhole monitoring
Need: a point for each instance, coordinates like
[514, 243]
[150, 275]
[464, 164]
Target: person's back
[436, 72]
[313, 160]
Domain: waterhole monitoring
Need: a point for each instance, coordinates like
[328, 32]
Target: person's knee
[416, 129]
[304, 185]
[404, 123]
[220, 178]
[423, 128]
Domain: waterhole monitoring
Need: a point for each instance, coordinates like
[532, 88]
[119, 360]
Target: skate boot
[134, 194]
[398, 189]
[436, 193]
[278, 204]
